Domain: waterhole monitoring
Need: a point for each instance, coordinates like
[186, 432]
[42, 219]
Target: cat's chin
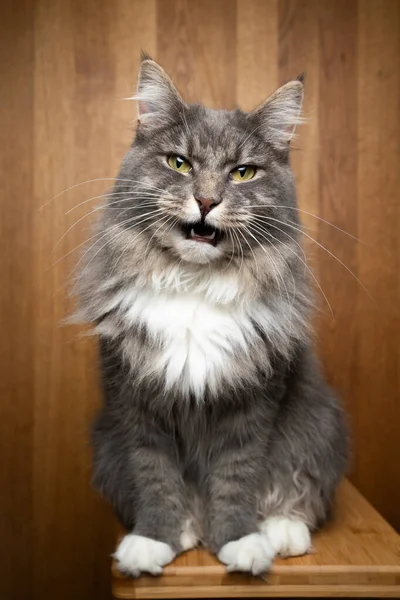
[197, 252]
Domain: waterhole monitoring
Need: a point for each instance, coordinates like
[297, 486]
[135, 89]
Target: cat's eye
[243, 173]
[179, 164]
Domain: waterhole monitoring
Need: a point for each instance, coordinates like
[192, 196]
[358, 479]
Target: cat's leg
[307, 458]
[293, 506]
[299, 496]
[145, 488]
[233, 530]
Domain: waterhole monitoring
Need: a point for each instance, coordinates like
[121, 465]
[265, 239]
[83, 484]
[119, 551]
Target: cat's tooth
[211, 236]
[192, 234]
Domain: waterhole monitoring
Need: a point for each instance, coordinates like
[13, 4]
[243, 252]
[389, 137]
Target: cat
[217, 426]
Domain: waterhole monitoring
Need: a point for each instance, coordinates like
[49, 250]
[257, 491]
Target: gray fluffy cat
[217, 426]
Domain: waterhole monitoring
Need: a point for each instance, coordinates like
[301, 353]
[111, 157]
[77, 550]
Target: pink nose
[205, 205]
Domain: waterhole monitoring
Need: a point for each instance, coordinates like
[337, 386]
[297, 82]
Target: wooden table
[357, 555]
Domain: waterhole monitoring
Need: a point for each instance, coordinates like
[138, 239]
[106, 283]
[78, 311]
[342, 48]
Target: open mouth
[200, 232]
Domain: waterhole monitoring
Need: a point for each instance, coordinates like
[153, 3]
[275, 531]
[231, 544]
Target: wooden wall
[66, 65]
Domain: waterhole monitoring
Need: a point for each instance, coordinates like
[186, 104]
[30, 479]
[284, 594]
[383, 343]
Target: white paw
[251, 553]
[188, 537]
[136, 554]
[289, 537]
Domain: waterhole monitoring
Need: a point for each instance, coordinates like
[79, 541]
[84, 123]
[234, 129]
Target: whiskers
[114, 237]
[277, 271]
[272, 238]
[261, 224]
[148, 186]
[102, 233]
[266, 220]
[249, 235]
[305, 212]
[147, 197]
[149, 202]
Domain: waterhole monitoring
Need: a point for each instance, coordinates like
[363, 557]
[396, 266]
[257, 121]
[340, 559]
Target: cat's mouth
[200, 232]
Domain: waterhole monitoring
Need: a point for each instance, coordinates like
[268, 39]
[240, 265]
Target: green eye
[179, 164]
[243, 173]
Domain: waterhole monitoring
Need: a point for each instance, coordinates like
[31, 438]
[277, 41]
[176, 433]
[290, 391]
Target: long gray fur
[267, 436]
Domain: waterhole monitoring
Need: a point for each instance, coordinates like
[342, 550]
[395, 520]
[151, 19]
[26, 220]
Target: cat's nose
[206, 204]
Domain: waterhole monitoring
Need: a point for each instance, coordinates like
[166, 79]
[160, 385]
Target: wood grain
[65, 68]
[376, 383]
[358, 553]
[66, 512]
[202, 57]
[257, 51]
[298, 31]
[16, 313]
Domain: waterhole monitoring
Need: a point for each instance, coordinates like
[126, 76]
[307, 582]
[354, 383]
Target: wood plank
[358, 552]
[202, 59]
[257, 51]
[338, 190]
[377, 387]
[16, 315]
[300, 591]
[298, 34]
[65, 509]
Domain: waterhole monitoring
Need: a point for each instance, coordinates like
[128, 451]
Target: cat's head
[202, 185]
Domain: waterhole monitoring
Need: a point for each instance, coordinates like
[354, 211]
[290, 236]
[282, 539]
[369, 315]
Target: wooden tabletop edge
[273, 591]
[216, 570]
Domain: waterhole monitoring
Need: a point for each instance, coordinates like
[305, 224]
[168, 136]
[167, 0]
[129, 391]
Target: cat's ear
[158, 100]
[279, 115]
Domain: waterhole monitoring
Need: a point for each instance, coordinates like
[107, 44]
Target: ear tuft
[302, 77]
[144, 56]
[281, 113]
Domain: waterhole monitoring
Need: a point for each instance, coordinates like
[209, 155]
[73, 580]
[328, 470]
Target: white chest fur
[198, 330]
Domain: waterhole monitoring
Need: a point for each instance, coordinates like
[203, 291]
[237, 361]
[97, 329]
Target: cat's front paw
[136, 554]
[252, 553]
[288, 537]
